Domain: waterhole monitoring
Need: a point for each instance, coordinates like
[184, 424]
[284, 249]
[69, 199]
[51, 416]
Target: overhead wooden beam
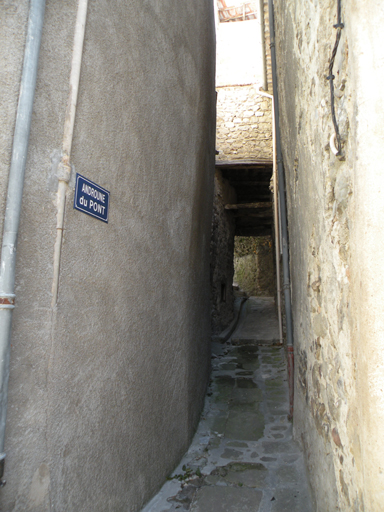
[243, 197]
[254, 227]
[258, 214]
[239, 183]
[245, 206]
[251, 221]
[261, 162]
[246, 174]
[253, 232]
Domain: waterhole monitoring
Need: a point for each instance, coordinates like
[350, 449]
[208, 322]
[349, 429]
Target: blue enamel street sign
[91, 198]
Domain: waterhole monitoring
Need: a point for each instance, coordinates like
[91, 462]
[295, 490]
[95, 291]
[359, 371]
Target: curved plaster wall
[106, 389]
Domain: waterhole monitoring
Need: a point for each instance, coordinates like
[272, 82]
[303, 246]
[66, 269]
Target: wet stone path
[243, 457]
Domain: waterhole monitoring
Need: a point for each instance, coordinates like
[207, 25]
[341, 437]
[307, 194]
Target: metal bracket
[64, 172]
[2, 463]
[7, 301]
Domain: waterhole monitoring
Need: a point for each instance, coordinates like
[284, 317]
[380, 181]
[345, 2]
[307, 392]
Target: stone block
[226, 499]
[245, 425]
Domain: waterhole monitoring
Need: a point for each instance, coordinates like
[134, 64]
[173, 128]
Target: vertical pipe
[64, 170]
[276, 217]
[216, 14]
[277, 229]
[13, 206]
[291, 369]
[283, 211]
[262, 35]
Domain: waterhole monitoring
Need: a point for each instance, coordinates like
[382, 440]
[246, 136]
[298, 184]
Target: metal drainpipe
[277, 230]
[13, 206]
[262, 36]
[276, 219]
[283, 213]
[64, 169]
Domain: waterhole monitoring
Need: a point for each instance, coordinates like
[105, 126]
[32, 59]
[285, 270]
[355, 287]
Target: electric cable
[339, 26]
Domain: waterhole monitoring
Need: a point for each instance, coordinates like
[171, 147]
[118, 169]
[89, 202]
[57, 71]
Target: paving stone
[185, 496]
[226, 499]
[290, 500]
[244, 426]
[244, 372]
[228, 366]
[277, 395]
[214, 442]
[245, 383]
[230, 453]
[278, 447]
[274, 402]
[212, 479]
[224, 386]
[218, 422]
[274, 383]
[287, 475]
[248, 474]
[244, 396]
[278, 410]
[291, 458]
[237, 444]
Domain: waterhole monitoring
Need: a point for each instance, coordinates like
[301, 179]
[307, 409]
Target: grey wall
[335, 211]
[106, 389]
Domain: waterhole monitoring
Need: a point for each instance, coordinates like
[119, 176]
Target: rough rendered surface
[336, 212]
[102, 382]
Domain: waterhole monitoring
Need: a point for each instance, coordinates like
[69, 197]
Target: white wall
[239, 58]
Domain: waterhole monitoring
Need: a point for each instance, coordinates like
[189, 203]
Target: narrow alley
[243, 457]
[191, 284]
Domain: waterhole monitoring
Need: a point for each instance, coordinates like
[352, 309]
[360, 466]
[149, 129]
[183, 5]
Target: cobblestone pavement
[243, 457]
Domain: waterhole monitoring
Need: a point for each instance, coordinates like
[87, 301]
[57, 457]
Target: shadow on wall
[254, 265]
[222, 240]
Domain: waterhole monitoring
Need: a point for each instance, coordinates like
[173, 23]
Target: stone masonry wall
[222, 244]
[244, 123]
[254, 265]
[335, 214]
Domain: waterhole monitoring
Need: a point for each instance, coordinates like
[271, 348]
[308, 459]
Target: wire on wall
[336, 147]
